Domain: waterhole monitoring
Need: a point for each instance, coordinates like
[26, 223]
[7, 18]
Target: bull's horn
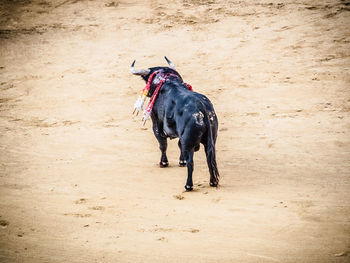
[170, 63]
[139, 72]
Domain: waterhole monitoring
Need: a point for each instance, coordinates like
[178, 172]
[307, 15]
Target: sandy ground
[79, 180]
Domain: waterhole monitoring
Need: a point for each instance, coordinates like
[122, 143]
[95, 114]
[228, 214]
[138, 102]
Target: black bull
[180, 112]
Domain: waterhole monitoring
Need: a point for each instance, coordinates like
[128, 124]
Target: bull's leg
[163, 144]
[182, 161]
[158, 126]
[189, 162]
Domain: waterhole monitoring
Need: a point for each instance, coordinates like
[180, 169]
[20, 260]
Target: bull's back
[185, 114]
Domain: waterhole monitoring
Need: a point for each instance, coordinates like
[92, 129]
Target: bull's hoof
[182, 163]
[213, 184]
[163, 164]
[188, 188]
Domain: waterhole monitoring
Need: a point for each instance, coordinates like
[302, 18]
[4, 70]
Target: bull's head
[145, 73]
[152, 76]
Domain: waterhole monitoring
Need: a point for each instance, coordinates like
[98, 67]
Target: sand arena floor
[79, 180]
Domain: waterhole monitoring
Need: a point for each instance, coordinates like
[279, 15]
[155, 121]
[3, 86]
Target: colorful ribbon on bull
[144, 92]
[143, 95]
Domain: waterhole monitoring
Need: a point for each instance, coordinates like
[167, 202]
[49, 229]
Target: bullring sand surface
[79, 180]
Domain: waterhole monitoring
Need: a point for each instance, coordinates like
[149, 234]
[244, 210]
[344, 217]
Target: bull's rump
[193, 117]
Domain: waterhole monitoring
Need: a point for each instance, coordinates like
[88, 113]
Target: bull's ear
[170, 63]
[143, 72]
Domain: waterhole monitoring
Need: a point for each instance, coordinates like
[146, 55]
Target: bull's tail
[211, 156]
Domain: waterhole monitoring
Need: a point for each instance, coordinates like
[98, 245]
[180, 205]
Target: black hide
[187, 115]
